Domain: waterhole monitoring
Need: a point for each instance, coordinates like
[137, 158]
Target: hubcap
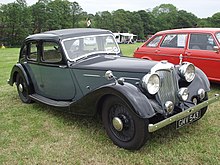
[117, 123]
[20, 88]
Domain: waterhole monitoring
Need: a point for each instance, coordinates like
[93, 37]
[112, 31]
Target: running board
[50, 102]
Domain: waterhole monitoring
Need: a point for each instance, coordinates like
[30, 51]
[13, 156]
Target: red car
[200, 46]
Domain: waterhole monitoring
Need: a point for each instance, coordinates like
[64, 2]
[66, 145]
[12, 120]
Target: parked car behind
[200, 46]
[82, 71]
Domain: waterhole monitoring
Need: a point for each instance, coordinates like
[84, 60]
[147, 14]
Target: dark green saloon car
[82, 71]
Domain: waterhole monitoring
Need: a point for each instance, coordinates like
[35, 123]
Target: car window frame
[82, 37]
[26, 55]
[151, 39]
[43, 59]
[43, 62]
[217, 40]
[181, 33]
[207, 33]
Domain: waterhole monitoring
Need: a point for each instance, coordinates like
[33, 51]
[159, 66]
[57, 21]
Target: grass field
[37, 134]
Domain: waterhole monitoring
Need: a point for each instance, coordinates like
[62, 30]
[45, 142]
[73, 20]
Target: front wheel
[22, 89]
[203, 110]
[125, 128]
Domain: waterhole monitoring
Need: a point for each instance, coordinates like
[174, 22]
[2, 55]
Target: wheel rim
[117, 123]
[121, 123]
[22, 88]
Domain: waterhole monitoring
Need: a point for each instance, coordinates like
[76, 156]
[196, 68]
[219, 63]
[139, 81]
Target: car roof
[67, 33]
[189, 30]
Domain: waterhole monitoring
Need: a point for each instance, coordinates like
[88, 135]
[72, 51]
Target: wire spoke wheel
[122, 125]
[126, 123]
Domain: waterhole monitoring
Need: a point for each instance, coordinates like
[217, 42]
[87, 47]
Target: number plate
[188, 119]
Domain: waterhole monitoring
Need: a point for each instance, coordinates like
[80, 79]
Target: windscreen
[82, 46]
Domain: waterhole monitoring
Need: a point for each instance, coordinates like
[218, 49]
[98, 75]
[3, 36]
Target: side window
[201, 42]
[154, 42]
[174, 41]
[24, 51]
[51, 52]
[32, 55]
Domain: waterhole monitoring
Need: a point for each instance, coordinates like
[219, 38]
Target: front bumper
[189, 111]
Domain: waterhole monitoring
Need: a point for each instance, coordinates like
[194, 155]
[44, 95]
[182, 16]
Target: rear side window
[174, 41]
[201, 42]
[51, 52]
[32, 55]
[154, 42]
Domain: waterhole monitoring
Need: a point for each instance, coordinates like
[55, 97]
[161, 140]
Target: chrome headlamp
[187, 71]
[201, 93]
[183, 94]
[151, 82]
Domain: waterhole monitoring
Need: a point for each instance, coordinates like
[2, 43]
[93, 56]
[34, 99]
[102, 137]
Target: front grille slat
[168, 88]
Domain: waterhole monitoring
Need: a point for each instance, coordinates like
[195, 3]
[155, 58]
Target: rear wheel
[22, 89]
[125, 128]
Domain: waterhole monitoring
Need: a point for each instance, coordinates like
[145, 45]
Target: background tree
[148, 21]
[121, 20]
[76, 14]
[103, 20]
[215, 20]
[2, 26]
[166, 16]
[204, 22]
[136, 24]
[16, 20]
[39, 16]
[185, 20]
[58, 12]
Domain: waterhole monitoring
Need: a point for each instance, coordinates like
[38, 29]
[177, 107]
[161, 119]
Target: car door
[149, 49]
[201, 53]
[30, 54]
[172, 46]
[56, 79]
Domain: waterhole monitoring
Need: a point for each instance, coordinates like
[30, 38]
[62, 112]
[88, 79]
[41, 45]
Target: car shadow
[215, 85]
[164, 136]
[86, 124]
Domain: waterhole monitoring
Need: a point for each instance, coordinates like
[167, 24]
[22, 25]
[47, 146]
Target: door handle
[62, 66]
[156, 51]
[188, 53]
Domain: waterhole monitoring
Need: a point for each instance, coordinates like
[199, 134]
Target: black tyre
[22, 89]
[125, 128]
[203, 110]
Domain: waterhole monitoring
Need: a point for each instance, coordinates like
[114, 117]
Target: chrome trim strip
[189, 111]
[91, 75]
[162, 65]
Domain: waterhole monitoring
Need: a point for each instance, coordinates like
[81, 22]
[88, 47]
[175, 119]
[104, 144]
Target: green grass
[128, 49]
[38, 134]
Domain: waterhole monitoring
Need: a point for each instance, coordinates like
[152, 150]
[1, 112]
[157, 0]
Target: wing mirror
[216, 49]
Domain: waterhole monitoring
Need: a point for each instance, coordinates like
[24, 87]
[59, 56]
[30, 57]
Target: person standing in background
[88, 23]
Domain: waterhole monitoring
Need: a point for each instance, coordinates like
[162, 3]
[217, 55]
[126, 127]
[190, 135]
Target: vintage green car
[82, 71]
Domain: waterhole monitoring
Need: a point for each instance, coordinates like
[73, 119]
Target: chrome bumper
[189, 111]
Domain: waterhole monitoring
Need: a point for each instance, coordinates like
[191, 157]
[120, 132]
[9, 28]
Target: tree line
[18, 20]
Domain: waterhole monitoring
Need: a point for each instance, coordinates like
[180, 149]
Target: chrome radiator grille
[168, 87]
